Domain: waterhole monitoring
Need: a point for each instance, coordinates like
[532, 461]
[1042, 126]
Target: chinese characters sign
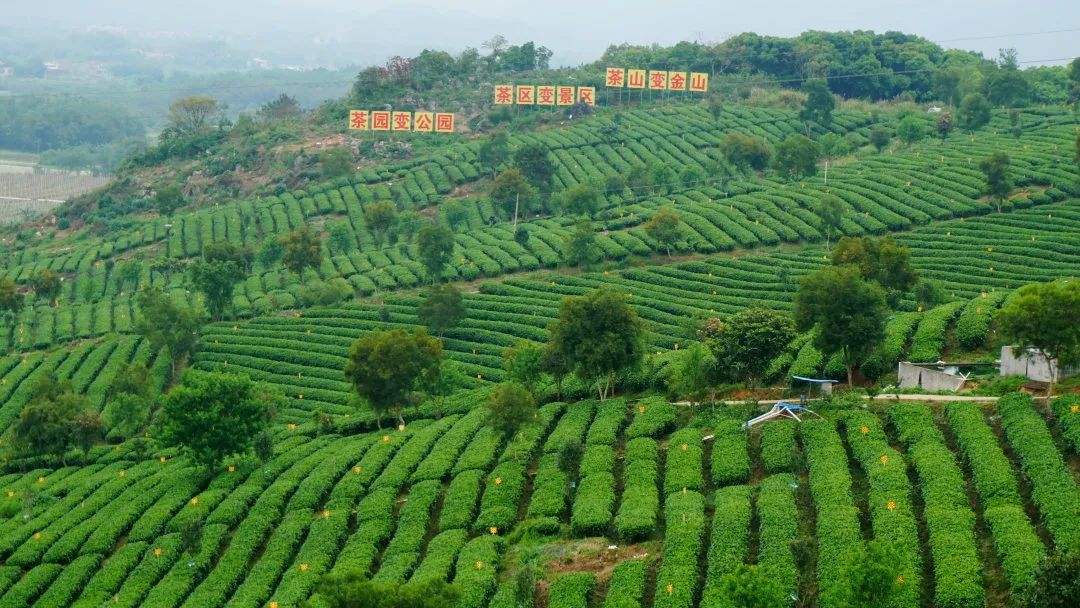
[657, 80]
[419, 122]
[543, 95]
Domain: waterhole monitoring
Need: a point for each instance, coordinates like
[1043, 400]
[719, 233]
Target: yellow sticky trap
[479, 565]
[356, 470]
[122, 473]
[292, 426]
[900, 580]
[326, 514]
[493, 530]
[232, 469]
[864, 430]
[401, 427]
[41, 480]
[304, 567]
[684, 447]
[498, 481]
[884, 460]
[670, 588]
[158, 552]
[892, 505]
[386, 438]
[194, 500]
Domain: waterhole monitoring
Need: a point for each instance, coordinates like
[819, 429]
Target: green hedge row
[949, 519]
[730, 461]
[729, 543]
[640, 504]
[1053, 488]
[1015, 540]
[684, 535]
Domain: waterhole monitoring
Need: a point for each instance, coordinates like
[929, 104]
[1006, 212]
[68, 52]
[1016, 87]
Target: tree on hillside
[848, 311]
[168, 200]
[46, 285]
[974, 112]
[194, 115]
[602, 336]
[716, 107]
[639, 180]
[408, 225]
[664, 227]
[881, 260]
[910, 130]
[996, 170]
[128, 405]
[271, 251]
[455, 212]
[744, 344]
[335, 163]
[303, 249]
[284, 107]
[1046, 317]
[217, 280]
[947, 84]
[167, 325]
[819, 103]
[510, 406]
[796, 157]
[494, 152]
[341, 238]
[512, 193]
[745, 152]
[830, 212]
[662, 177]
[580, 247]
[1006, 85]
[167, 267]
[11, 304]
[831, 146]
[379, 217]
[441, 309]
[581, 199]
[879, 138]
[387, 368]
[691, 176]
[556, 362]
[944, 125]
[435, 247]
[54, 421]
[689, 373]
[536, 166]
[212, 415]
[1074, 78]
[522, 364]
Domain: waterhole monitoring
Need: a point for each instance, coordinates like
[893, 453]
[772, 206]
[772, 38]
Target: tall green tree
[513, 193]
[441, 309]
[212, 415]
[581, 199]
[556, 362]
[303, 249]
[848, 311]
[379, 217]
[819, 104]
[664, 227]
[744, 344]
[882, 260]
[879, 138]
[1046, 317]
[335, 163]
[689, 375]
[167, 325]
[46, 285]
[510, 406]
[996, 170]
[194, 115]
[435, 247]
[168, 200]
[796, 157]
[911, 130]
[601, 334]
[944, 125]
[830, 212]
[536, 165]
[54, 421]
[494, 152]
[522, 364]
[580, 247]
[388, 368]
[745, 152]
[217, 281]
[11, 304]
[974, 112]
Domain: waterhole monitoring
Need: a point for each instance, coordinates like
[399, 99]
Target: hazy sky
[362, 31]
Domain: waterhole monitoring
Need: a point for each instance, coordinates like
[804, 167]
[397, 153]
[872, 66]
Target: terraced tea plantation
[972, 498]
